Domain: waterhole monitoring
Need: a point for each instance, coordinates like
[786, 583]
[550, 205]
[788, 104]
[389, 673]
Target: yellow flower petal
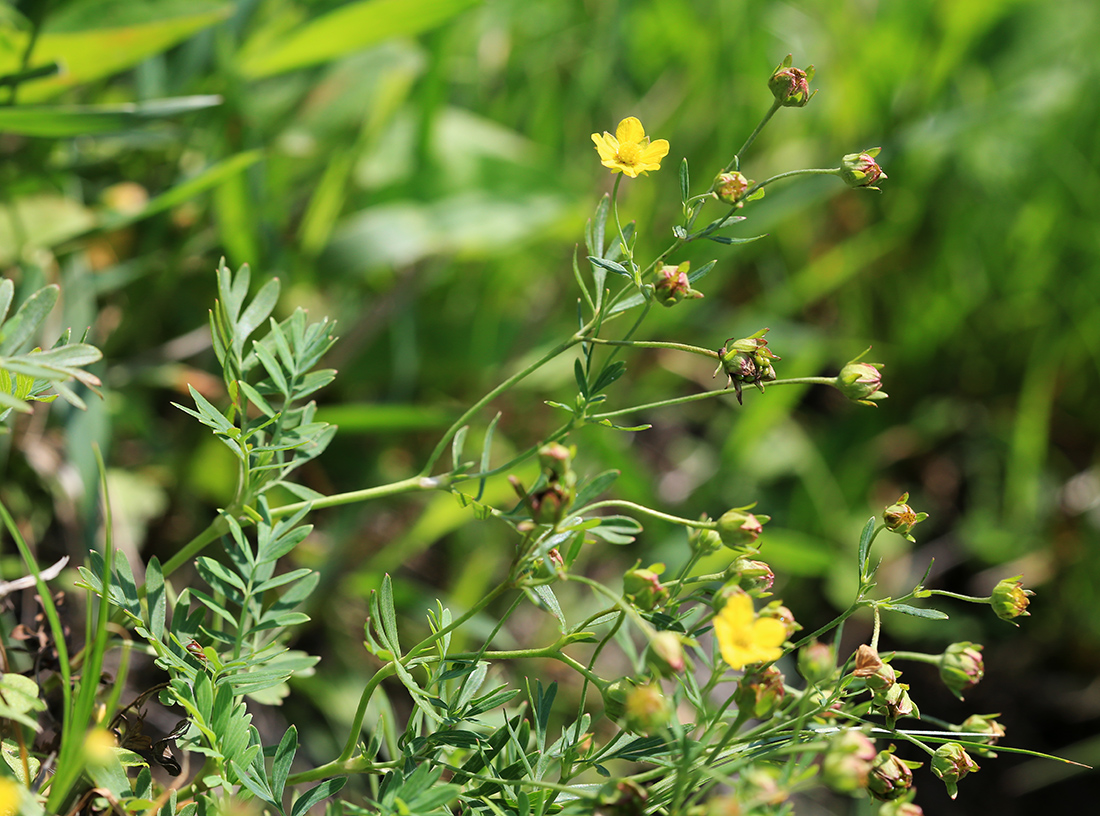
[744, 639]
[629, 130]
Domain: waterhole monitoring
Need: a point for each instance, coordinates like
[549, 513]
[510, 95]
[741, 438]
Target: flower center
[629, 153]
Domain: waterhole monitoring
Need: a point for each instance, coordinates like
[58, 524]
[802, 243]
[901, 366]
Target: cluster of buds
[704, 541]
[791, 86]
[846, 765]
[900, 518]
[730, 187]
[738, 529]
[861, 169]
[644, 588]
[888, 697]
[951, 763]
[748, 360]
[549, 501]
[1010, 599]
[760, 692]
[861, 382]
[961, 667]
[672, 285]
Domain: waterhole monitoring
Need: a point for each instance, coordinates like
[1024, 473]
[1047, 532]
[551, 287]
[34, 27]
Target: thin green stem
[958, 597]
[735, 163]
[918, 657]
[639, 508]
[496, 392]
[656, 345]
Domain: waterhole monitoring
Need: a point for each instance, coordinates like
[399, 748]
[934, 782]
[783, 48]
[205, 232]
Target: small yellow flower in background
[744, 638]
[10, 798]
[629, 150]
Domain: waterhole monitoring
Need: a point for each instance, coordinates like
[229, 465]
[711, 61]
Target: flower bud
[861, 170]
[760, 692]
[776, 610]
[666, 654]
[847, 761]
[672, 285]
[614, 697]
[901, 807]
[900, 517]
[879, 676]
[738, 529]
[643, 586]
[961, 667]
[951, 763]
[704, 541]
[861, 382]
[647, 710]
[984, 724]
[730, 188]
[623, 798]
[816, 662]
[890, 777]
[790, 86]
[555, 459]
[755, 577]
[747, 360]
[1010, 599]
[895, 703]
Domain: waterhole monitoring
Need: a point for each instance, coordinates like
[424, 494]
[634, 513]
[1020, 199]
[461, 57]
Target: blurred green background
[420, 170]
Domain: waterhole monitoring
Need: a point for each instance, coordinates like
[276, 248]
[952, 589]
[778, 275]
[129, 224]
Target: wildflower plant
[709, 710]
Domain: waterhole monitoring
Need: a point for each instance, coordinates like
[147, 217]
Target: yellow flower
[629, 150]
[9, 796]
[744, 638]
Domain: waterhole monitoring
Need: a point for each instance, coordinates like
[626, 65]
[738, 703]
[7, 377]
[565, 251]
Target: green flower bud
[900, 517]
[730, 188]
[760, 692]
[755, 577]
[901, 807]
[643, 586]
[647, 710]
[951, 763]
[1010, 599]
[895, 703]
[983, 726]
[846, 764]
[861, 170]
[790, 86]
[961, 667]
[816, 662]
[614, 697]
[890, 777]
[704, 541]
[665, 654]
[861, 382]
[673, 285]
[556, 459]
[739, 529]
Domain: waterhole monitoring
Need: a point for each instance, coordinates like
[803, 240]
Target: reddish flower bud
[747, 360]
[861, 170]
[879, 676]
[890, 777]
[665, 654]
[961, 667]
[816, 662]
[847, 761]
[643, 586]
[790, 86]
[739, 529]
[755, 577]
[760, 692]
[673, 285]
[861, 382]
